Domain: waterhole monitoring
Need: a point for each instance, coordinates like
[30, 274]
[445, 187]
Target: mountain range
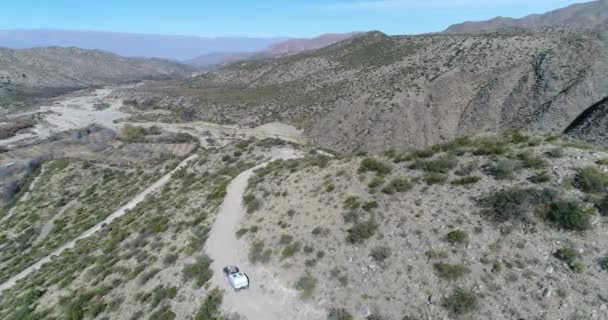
[582, 15]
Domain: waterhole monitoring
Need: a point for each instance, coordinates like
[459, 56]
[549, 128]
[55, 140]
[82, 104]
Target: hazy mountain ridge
[582, 15]
[44, 71]
[285, 48]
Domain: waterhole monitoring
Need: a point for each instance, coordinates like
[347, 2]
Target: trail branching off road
[116, 214]
[267, 298]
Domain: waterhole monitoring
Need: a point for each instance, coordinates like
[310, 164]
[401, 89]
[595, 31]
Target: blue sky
[260, 18]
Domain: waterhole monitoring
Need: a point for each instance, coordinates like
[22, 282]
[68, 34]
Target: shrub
[338, 314]
[569, 215]
[211, 307]
[504, 169]
[251, 203]
[441, 165]
[424, 153]
[602, 206]
[570, 257]
[200, 270]
[290, 250]
[257, 253]
[541, 177]
[457, 237]
[370, 205]
[513, 204]
[489, 148]
[530, 161]
[164, 313]
[397, 185]
[373, 165]
[518, 137]
[362, 231]
[467, 168]
[450, 271]
[306, 284]
[590, 179]
[380, 254]
[285, 239]
[460, 302]
[465, 181]
[352, 203]
[435, 178]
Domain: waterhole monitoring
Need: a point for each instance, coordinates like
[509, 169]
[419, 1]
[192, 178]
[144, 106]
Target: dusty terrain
[379, 245]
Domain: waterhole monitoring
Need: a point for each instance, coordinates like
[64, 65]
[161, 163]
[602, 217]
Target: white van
[238, 280]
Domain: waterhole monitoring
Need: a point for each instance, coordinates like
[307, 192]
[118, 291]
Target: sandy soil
[268, 298]
[116, 214]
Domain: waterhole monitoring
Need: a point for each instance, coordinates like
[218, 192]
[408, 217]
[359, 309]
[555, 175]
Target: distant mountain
[285, 48]
[584, 15]
[131, 44]
[40, 72]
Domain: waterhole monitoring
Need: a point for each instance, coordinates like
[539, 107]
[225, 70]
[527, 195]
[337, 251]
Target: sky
[260, 18]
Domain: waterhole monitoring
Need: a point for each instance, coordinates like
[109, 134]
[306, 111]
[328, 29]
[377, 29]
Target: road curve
[267, 298]
[116, 214]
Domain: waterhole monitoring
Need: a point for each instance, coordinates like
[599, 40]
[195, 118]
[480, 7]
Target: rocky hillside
[502, 228]
[375, 92]
[583, 15]
[46, 71]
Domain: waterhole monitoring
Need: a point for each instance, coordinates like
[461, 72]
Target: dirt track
[267, 298]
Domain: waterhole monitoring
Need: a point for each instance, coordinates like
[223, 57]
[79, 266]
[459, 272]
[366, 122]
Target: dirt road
[116, 214]
[267, 298]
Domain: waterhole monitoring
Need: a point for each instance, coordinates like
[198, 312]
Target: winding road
[267, 298]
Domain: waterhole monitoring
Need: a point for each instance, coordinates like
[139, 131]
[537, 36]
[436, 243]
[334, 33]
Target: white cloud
[446, 4]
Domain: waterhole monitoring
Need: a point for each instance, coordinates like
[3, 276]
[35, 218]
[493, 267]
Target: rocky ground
[506, 228]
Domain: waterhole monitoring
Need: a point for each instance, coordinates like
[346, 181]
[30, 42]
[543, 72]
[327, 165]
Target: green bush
[457, 237]
[373, 165]
[285, 239]
[200, 270]
[306, 284]
[211, 307]
[461, 302]
[465, 181]
[362, 231]
[441, 165]
[450, 272]
[338, 314]
[591, 179]
[164, 313]
[602, 206]
[352, 203]
[504, 169]
[490, 148]
[397, 185]
[436, 254]
[570, 257]
[370, 205]
[569, 215]
[513, 204]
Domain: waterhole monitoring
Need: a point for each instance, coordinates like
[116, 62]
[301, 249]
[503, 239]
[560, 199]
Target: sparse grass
[306, 284]
[504, 169]
[450, 272]
[531, 161]
[376, 166]
[457, 237]
[440, 165]
[381, 253]
[338, 314]
[541, 177]
[568, 215]
[490, 148]
[258, 253]
[398, 185]
[591, 179]
[211, 307]
[199, 271]
[461, 302]
[570, 257]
